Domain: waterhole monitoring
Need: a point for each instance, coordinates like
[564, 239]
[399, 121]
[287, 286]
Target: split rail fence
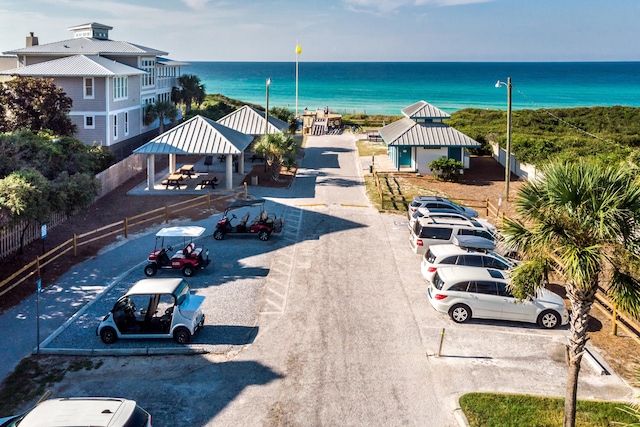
[391, 196]
[33, 271]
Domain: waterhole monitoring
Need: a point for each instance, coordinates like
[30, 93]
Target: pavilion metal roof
[250, 121]
[424, 110]
[406, 132]
[198, 135]
[77, 65]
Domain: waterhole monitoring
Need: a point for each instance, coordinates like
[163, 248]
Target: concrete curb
[185, 351]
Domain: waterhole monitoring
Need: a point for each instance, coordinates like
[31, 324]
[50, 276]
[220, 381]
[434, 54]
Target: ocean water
[387, 87]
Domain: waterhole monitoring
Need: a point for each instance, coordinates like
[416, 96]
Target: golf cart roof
[155, 286]
[474, 242]
[182, 231]
[245, 203]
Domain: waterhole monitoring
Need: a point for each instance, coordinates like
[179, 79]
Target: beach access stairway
[319, 126]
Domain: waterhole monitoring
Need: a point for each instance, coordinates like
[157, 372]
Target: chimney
[31, 40]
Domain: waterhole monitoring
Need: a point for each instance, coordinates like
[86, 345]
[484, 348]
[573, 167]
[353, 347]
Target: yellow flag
[298, 50]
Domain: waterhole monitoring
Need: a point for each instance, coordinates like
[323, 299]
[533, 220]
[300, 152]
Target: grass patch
[506, 410]
[370, 148]
[33, 375]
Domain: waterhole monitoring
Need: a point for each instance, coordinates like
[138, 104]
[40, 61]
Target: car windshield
[181, 292]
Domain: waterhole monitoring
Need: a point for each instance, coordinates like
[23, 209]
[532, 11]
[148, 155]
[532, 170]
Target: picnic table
[174, 180]
[187, 170]
[209, 182]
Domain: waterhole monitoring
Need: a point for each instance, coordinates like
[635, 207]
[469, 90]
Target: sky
[344, 30]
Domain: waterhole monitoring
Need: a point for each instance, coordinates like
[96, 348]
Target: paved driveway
[328, 324]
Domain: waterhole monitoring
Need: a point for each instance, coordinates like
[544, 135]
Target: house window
[149, 65]
[89, 122]
[120, 88]
[115, 126]
[88, 88]
[126, 123]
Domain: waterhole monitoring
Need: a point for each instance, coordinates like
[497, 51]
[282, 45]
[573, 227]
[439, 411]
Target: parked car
[263, 225]
[426, 212]
[188, 258]
[439, 204]
[82, 411]
[429, 231]
[470, 251]
[483, 293]
[154, 308]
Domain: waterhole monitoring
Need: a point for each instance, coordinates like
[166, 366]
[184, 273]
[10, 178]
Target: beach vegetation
[607, 134]
[502, 410]
[580, 220]
[36, 104]
[373, 121]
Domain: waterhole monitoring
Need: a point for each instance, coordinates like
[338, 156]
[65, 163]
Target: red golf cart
[263, 224]
[187, 258]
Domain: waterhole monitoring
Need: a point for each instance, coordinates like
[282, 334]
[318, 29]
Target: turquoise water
[386, 88]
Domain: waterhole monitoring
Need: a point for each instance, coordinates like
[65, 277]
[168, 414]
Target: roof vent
[32, 40]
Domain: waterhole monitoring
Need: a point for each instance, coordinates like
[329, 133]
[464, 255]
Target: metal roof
[171, 62]
[77, 65]
[198, 135]
[87, 46]
[250, 121]
[406, 132]
[424, 110]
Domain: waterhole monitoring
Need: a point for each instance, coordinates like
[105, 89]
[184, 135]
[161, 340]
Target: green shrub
[446, 169]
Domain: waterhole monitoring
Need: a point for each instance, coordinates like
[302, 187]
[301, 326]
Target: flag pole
[298, 52]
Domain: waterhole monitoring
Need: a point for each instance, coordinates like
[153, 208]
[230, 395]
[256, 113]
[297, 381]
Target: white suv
[425, 212]
[483, 293]
[429, 231]
[470, 251]
[82, 411]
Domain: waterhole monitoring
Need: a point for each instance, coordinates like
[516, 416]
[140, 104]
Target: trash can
[370, 168]
[254, 180]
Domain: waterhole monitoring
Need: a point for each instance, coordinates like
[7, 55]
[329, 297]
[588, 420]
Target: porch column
[241, 163]
[172, 163]
[229, 171]
[151, 171]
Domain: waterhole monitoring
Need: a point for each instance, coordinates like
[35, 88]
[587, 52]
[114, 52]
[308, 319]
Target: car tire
[188, 270]
[548, 319]
[108, 335]
[218, 235]
[460, 313]
[181, 335]
[263, 235]
[150, 270]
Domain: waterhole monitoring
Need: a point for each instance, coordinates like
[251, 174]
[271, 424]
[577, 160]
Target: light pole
[507, 168]
[266, 111]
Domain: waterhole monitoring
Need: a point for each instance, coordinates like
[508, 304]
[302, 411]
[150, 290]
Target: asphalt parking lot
[326, 324]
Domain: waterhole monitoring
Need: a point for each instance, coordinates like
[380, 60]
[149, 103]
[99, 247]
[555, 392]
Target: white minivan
[464, 293]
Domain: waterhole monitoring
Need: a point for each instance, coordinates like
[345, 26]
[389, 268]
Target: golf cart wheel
[108, 335]
[263, 235]
[188, 270]
[150, 270]
[218, 235]
[182, 335]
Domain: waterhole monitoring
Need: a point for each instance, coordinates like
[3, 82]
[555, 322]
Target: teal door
[405, 157]
[455, 153]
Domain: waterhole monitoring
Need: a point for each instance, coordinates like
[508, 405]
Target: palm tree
[192, 90]
[278, 149]
[580, 220]
[160, 110]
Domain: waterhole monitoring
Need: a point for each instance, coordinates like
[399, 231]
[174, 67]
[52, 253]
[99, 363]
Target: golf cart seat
[244, 219]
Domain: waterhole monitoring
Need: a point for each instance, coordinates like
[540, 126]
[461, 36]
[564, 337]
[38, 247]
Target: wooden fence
[124, 227]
